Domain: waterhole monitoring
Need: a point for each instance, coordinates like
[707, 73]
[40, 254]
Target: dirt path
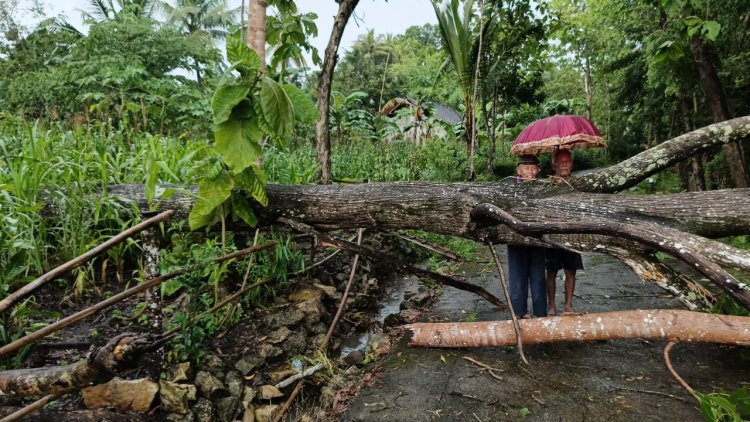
[621, 380]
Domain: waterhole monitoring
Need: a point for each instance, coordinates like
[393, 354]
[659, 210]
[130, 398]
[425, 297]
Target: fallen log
[656, 324]
[100, 366]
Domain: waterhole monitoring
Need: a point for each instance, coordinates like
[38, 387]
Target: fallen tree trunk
[683, 326]
[100, 366]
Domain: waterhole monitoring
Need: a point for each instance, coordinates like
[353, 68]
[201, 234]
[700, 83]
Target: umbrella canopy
[557, 132]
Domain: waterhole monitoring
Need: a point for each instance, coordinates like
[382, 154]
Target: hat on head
[527, 159]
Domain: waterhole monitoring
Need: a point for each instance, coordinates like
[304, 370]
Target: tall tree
[205, 20]
[322, 129]
[102, 10]
[461, 44]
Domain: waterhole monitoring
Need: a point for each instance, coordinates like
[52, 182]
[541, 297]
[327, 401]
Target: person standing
[526, 263]
[557, 259]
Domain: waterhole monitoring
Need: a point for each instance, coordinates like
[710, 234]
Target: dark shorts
[558, 259]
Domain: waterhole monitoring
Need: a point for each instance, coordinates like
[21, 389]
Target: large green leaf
[211, 194]
[242, 209]
[238, 142]
[253, 181]
[225, 99]
[277, 108]
[242, 57]
[304, 109]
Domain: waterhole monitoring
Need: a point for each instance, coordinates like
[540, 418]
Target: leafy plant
[725, 407]
[248, 110]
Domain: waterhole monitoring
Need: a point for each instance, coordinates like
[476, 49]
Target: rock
[248, 363]
[207, 384]
[329, 291]
[214, 365]
[179, 372]
[444, 270]
[268, 392]
[235, 384]
[176, 417]
[312, 310]
[204, 411]
[175, 397]
[317, 340]
[319, 328]
[279, 335]
[305, 293]
[123, 395]
[249, 413]
[394, 320]
[249, 394]
[289, 317]
[266, 351]
[295, 344]
[227, 408]
[265, 413]
[353, 357]
[420, 300]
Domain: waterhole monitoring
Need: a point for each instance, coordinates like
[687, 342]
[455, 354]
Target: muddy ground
[616, 380]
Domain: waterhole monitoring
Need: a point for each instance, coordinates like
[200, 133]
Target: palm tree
[102, 10]
[204, 18]
[461, 45]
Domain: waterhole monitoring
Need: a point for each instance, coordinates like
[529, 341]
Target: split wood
[31, 408]
[506, 291]
[657, 237]
[344, 297]
[395, 261]
[674, 373]
[78, 261]
[41, 333]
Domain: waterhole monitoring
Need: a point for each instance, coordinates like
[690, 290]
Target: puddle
[390, 304]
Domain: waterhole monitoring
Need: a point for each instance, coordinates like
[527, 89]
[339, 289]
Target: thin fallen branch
[76, 262]
[506, 291]
[344, 297]
[306, 373]
[674, 373]
[485, 367]
[657, 393]
[280, 414]
[43, 332]
[321, 262]
[395, 262]
[430, 247]
[659, 324]
[31, 408]
[660, 238]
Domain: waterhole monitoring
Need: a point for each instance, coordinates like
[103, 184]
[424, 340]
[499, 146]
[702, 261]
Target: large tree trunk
[675, 325]
[711, 85]
[446, 207]
[322, 130]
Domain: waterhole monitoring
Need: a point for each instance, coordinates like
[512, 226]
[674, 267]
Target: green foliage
[247, 110]
[725, 407]
[727, 306]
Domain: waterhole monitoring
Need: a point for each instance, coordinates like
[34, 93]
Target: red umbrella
[557, 132]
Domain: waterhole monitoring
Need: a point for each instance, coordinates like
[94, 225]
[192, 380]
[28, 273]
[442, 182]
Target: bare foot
[552, 311]
[568, 310]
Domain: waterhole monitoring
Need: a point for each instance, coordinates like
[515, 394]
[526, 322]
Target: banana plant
[248, 107]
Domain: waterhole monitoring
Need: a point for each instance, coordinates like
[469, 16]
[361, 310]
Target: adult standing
[526, 263]
[557, 259]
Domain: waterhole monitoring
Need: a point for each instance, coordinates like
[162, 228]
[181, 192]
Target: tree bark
[325, 80]
[256, 29]
[99, 367]
[684, 326]
[631, 171]
[716, 99]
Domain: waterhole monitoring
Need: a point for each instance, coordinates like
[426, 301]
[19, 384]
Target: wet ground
[616, 380]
